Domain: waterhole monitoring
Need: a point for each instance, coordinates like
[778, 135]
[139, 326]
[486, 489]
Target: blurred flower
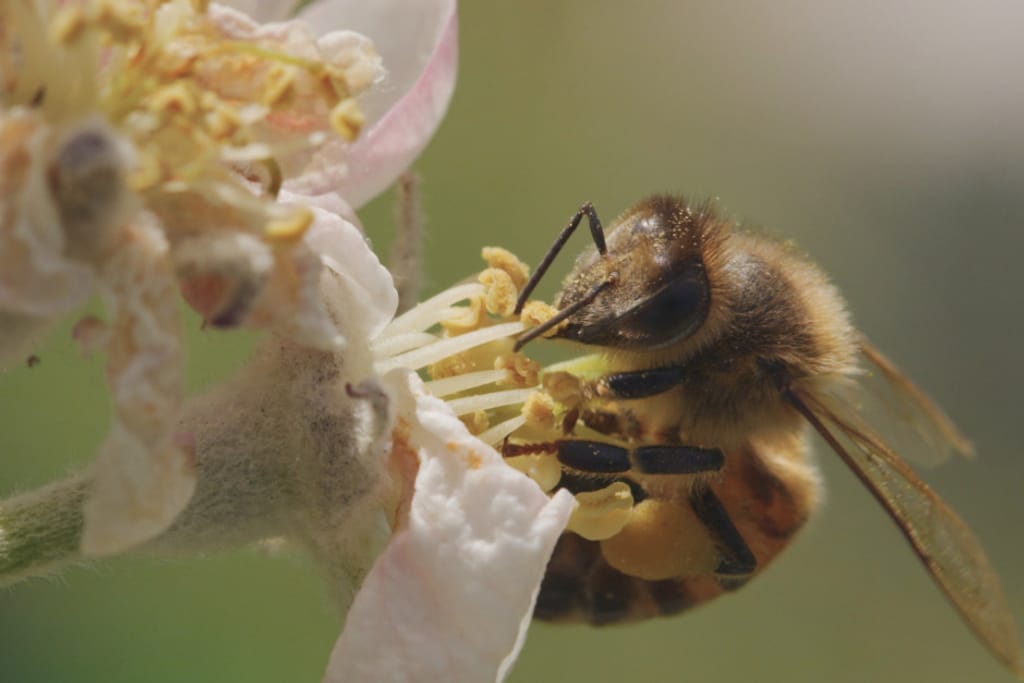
[150, 146]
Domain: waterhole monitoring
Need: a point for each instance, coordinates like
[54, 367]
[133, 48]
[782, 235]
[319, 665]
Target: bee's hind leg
[737, 558]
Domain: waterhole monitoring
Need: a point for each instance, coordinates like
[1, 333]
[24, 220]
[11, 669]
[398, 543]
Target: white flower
[212, 167]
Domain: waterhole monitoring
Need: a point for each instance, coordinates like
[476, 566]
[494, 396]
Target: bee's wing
[943, 542]
[915, 425]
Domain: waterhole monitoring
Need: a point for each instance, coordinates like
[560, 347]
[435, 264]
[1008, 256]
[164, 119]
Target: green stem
[40, 530]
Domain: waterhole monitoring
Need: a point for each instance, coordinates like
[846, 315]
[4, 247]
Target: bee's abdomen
[581, 586]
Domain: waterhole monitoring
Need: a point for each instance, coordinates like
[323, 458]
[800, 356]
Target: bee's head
[659, 256]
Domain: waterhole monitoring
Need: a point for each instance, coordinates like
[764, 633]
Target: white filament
[432, 311]
[470, 380]
[498, 432]
[426, 355]
[495, 399]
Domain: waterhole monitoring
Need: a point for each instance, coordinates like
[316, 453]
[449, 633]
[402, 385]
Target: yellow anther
[537, 312]
[175, 98]
[123, 19]
[564, 388]
[346, 119]
[476, 422]
[500, 293]
[602, 514]
[278, 83]
[466, 318]
[503, 259]
[67, 24]
[543, 468]
[539, 411]
[222, 121]
[290, 229]
[521, 370]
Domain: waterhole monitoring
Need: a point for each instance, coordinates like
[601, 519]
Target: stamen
[470, 380]
[498, 432]
[400, 343]
[495, 399]
[433, 310]
[427, 355]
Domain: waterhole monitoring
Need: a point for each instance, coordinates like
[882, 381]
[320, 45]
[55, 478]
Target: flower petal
[450, 597]
[404, 111]
[263, 10]
[361, 289]
[144, 475]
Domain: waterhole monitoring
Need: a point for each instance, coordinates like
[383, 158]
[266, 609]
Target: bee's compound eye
[674, 311]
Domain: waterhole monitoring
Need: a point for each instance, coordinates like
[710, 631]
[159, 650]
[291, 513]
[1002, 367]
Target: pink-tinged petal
[263, 10]
[419, 45]
[356, 287]
[451, 596]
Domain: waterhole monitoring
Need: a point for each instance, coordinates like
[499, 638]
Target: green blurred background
[887, 139]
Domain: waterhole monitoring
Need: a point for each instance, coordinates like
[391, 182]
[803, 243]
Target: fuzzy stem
[40, 531]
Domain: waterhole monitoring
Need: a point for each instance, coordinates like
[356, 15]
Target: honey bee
[717, 350]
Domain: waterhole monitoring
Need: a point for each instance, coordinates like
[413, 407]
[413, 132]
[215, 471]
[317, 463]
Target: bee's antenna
[596, 231]
[534, 332]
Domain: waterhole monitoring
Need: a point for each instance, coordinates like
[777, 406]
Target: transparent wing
[943, 542]
[915, 425]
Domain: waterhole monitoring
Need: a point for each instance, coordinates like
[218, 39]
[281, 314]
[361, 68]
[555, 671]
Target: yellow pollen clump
[521, 371]
[663, 540]
[602, 514]
[500, 294]
[537, 312]
[503, 259]
[539, 411]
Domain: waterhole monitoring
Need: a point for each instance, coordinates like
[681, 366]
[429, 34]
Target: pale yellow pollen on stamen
[500, 297]
[347, 119]
[222, 121]
[476, 422]
[122, 18]
[467, 318]
[503, 259]
[174, 98]
[539, 411]
[278, 83]
[520, 370]
[67, 24]
[564, 387]
[290, 229]
[537, 312]
[602, 514]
